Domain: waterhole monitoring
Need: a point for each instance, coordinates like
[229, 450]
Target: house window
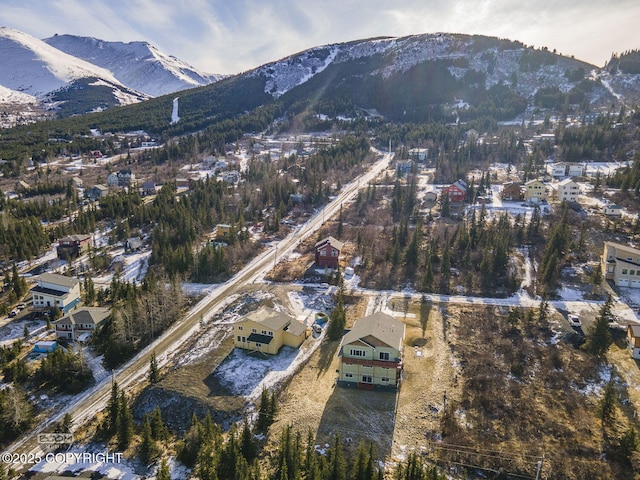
[348, 375]
[632, 272]
[258, 345]
[239, 338]
[624, 271]
[367, 379]
[270, 334]
[385, 379]
[239, 328]
[264, 332]
[384, 355]
[357, 353]
[253, 330]
[334, 253]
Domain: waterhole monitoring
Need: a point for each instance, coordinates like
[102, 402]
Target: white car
[574, 320]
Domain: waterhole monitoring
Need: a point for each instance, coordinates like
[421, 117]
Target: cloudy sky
[230, 36]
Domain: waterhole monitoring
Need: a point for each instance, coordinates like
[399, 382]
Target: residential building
[633, 340]
[511, 191]
[568, 190]
[223, 231]
[80, 324]
[456, 192]
[576, 169]
[559, 169]
[535, 191]
[133, 244]
[419, 154]
[612, 210]
[327, 252]
[371, 353]
[73, 246]
[621, 264]
[148, 188]
[96, 192]
[266, 330]
[55, 290]
[112, 179]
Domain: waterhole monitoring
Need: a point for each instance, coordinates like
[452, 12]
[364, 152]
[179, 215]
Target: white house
[568, 190]
[55, 290]
[612, 210]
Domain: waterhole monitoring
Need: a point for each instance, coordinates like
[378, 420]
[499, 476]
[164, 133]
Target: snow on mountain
[495, 58]
[139, 65]
[14, 97]
[31, 66]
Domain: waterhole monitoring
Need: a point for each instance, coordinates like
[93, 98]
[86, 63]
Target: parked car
[574, 320]
[13, 312]
[21, 306]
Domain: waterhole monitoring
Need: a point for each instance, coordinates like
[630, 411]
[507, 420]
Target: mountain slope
[430, 76]
[31, 66]
[138, 65]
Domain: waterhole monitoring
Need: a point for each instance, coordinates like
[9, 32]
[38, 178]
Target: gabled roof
[61, 280]
[533, 182]
[460, 185]
[337, 244]
[565, 182]
[75, 238]
[86, 315]
[269, 317]
[378, 329]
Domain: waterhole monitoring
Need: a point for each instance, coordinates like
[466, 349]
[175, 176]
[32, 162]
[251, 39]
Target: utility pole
[540, 467]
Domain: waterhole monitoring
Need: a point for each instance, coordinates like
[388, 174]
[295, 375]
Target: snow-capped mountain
[139, 65]
[31, 66]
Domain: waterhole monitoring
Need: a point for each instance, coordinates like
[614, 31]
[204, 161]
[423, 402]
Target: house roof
[378, 329]
[533, 182]
[100, 187]
[296, 328]
[269, 318]
[75, 238]
[337, 244]
[86, 315]
[61, 280]
[565, 182]
[134, 242]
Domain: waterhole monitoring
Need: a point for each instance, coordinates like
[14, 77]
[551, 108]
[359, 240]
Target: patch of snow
[174, 113]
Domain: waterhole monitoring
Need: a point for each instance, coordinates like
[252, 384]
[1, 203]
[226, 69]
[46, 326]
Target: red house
[456, 191]
[328, 252]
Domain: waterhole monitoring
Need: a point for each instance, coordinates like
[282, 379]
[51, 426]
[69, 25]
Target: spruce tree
[113, 409]
[247, 446]
[148, 447]
[599, 335]
[337, 468]
[125, 424]
[163, 470]
[154, 375]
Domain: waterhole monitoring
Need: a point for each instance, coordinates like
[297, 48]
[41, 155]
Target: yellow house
[223, 231]
[621, 263]
[535, 191]
[266, 330]
[371, 353]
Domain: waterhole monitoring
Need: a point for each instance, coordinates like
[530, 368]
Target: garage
[635, 284]
[623, 282]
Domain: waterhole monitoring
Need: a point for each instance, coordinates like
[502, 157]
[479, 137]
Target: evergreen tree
[337, 468]
[599, 335]
[163, 470]
[154, 375]
[148, 446]
[607, 405]
[158, 428]
[125, 424]
[113, 409]
[338, 317]
[248, 446]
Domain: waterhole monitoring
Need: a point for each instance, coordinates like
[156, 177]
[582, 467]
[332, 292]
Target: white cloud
[223, 36]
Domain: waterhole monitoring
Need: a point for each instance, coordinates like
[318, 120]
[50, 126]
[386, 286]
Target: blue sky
[230, 36]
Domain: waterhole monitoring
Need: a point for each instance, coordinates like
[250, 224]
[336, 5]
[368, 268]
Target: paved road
[85, 406]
